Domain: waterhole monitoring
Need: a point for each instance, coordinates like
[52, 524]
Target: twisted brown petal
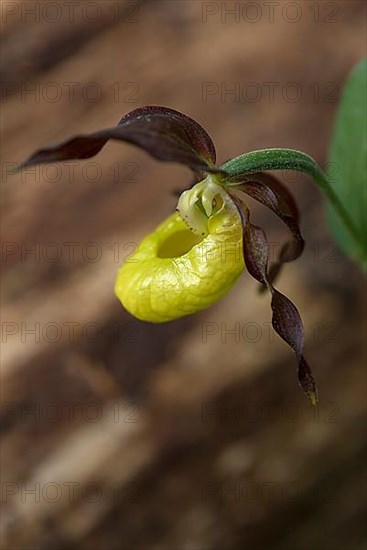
[270, 192]
[166, 134]
[286, 319]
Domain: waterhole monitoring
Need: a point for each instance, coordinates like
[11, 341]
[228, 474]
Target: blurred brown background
[121, 434]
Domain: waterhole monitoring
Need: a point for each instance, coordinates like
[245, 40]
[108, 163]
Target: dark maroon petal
[285, 198]
[267, 190]
[307, 381]
[288, 324]
[256, 252]
[260, 192]
[165, 134]
[286, 319]
[255, 244]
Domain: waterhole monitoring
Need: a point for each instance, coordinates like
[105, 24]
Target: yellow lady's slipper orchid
[176, 272]
[196, 255]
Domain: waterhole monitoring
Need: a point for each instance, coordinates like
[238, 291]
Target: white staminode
[196, 204]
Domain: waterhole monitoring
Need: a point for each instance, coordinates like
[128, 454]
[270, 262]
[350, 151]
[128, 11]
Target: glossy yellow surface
[175, 272]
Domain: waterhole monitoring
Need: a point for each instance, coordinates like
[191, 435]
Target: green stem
[290, 159]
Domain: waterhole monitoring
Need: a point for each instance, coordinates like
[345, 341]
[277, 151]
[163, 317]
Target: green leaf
[347, 168]
[271, 159]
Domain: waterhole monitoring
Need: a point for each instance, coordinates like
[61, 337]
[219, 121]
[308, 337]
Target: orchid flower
[197, 254]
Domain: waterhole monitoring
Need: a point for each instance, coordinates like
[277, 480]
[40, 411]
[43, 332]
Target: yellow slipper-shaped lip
[175, 272]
